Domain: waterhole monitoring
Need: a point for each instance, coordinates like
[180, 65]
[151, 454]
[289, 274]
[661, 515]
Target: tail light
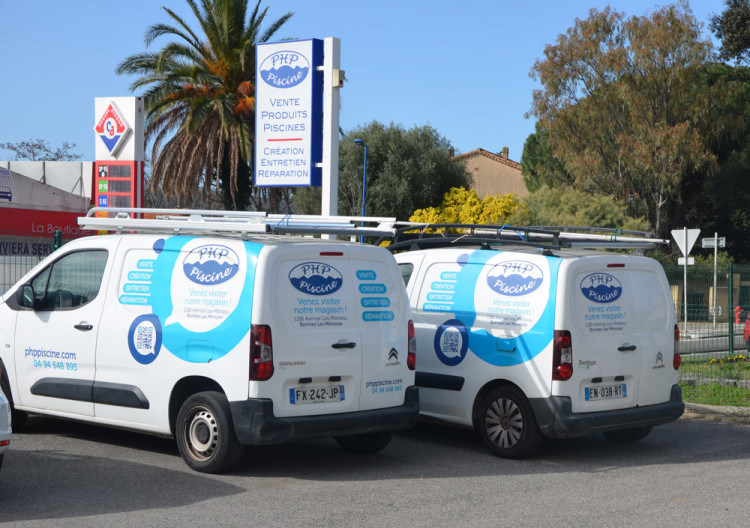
[261, 353]
[411, 360]
[562, 356]
[677, 358]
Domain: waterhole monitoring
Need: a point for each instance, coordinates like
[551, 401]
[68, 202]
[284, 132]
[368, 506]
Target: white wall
[70, 176]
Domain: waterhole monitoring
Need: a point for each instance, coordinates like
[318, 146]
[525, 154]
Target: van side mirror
[26, 297]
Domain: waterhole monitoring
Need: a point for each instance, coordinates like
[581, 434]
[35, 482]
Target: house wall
[493, 176]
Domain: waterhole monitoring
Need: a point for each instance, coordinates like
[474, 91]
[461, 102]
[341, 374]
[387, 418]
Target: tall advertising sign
[119, 137]
[288, 113]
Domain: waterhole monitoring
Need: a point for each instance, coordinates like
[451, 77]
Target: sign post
[715, 243]
[119, 138]
[685, 239]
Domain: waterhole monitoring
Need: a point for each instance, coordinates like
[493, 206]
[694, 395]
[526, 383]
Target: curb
[716, 413]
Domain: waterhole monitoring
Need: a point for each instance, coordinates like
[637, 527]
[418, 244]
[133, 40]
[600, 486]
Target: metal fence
[711, 312]
[21, 251]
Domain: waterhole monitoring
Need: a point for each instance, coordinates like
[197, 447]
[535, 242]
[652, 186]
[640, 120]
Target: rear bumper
[555, 419]
[255, 423]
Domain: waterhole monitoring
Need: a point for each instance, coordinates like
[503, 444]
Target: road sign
[681, 261]
[710, 242]
[680, 235]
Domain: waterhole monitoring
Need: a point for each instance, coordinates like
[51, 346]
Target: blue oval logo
[211, 264]
[601, 288]
[316, 278]
[515, 278]
[284, 69]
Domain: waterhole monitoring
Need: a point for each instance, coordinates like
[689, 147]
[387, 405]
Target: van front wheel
[506, 424]
[205, 433]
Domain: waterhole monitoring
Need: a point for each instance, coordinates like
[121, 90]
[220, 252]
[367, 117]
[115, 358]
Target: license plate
[606, 392]
[316, 394]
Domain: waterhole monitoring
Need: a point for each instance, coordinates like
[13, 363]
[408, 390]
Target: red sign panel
[117, 184]
[34, 222]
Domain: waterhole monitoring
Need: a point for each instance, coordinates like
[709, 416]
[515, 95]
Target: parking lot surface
[692, 472]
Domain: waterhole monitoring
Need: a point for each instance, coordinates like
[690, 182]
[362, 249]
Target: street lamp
[364, 183]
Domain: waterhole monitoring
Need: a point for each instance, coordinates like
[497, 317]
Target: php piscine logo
[211, 264]
[515, 278]
[284, 69]
[316, 278]
[601, 287]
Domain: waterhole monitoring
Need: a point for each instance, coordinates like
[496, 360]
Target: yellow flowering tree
[461, 206]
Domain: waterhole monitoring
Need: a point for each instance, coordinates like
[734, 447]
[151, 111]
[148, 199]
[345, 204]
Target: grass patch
[716, 394]
[716, 381]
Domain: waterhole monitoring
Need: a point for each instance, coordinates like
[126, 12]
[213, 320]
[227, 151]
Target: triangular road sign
[679, 237]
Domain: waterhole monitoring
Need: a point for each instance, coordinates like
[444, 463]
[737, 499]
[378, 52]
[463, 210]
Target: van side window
[72, 281]
[406, 270]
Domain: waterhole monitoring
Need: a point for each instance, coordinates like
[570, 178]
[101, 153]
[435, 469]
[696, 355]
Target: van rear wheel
[365, 444]
[506, 424]
[634, 434]
[205, 433]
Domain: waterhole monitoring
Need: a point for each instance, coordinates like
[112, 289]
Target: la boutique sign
[112, 129]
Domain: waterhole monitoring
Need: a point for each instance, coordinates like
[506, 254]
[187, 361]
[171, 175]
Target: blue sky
[460, 66]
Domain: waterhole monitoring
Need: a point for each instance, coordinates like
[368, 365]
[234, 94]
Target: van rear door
[306, 293]
[656, 325]
[382, 313]
[599, 305]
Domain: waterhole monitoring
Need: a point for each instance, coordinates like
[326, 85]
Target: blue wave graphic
[209, 272]
[284, 76]
[602, 293]
[514, 285]
[316, 284]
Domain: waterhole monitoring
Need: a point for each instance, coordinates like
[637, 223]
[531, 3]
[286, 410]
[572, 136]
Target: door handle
[83, 326]
[350, 344]
[628, 348]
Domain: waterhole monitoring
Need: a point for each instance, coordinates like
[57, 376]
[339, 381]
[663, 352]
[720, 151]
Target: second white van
[522, 334]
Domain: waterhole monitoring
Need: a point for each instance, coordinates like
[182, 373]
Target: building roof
[491, 155]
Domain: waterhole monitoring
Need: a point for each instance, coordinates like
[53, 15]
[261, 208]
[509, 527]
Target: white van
[209, 327]
[522, 336]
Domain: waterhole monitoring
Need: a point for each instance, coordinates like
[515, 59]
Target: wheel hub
[202, 434]
[504, 423]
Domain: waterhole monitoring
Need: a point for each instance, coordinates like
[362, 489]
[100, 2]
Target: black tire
[1, 460]
[506, 424]
[634, 434]
[205, 433]
[365, 444]
[17, 418]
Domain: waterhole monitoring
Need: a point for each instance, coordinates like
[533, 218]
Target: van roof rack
[410, 236]
[242, 223]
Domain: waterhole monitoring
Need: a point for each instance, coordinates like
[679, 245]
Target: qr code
[451, 343]
[145, 338]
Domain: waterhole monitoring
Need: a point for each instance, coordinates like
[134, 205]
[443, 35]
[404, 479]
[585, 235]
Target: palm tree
[200, 99]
